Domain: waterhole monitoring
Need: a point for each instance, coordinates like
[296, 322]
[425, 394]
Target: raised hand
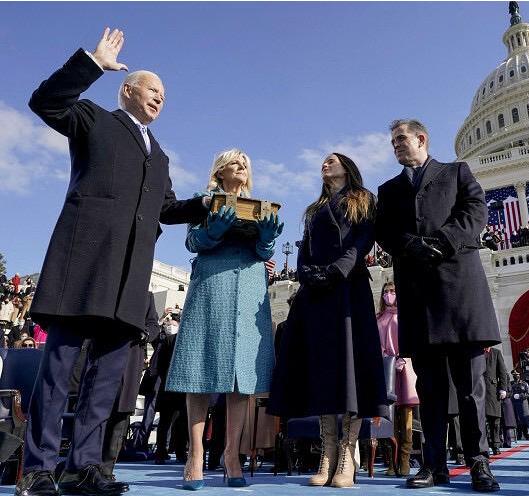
[107, 50]
[269, 228]
[219, 222]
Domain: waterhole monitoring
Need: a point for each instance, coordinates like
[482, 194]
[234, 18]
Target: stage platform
[511, 469]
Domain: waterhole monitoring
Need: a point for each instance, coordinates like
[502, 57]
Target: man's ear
[422, 139]
[126, 90]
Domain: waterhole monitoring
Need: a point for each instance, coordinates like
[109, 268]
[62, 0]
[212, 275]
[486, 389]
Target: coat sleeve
[151, 320]
[387, 237]
[501, 371]
[56, 100]
[265, 251]
[175, 211]
[469, 215]
[356, 247]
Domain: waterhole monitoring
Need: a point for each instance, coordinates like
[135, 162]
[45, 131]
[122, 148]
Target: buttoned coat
[224, 341]
[496, 380]
[330, 360]
[449, 302]
[99, 260]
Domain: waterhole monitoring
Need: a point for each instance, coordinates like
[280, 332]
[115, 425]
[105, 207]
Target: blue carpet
[146, 479]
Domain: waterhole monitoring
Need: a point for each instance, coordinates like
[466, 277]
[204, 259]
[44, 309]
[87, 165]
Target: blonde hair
[358, 202]
[221, 161]
[382, 304]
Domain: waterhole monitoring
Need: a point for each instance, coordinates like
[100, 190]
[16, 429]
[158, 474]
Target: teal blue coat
[225, 340]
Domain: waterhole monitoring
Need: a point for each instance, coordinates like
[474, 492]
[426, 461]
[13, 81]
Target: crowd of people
[428, 219]
[16, 326]
[496, 239]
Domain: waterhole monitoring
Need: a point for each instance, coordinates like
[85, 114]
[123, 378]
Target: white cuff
[94, 59]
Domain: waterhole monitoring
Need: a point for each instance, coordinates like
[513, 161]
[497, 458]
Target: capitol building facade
[494, 141]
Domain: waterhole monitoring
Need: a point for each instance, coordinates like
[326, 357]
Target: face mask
[389, 299]
[171, 329]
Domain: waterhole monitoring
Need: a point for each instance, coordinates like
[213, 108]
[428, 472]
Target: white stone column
[524, 213]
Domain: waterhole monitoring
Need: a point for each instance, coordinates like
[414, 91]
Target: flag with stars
[504, 211]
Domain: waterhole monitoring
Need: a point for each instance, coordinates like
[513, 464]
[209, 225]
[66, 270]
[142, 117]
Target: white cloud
[371, 152]
[29, 152]
[181, 177]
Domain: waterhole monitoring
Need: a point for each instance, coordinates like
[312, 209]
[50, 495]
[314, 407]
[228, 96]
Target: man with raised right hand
[99, 260]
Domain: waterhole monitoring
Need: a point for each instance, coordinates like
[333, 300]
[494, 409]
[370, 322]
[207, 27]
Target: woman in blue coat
[224, 344]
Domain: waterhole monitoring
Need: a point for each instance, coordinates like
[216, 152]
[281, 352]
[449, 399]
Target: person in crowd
[89, 287]
[490, 239]
[171, 405]
[224, 343]
[515, 239]
[520, 394]
[330, 362]
[25, 342]
[496, 384]
[15, 281]
[508, 420]
[388, 328]
[429, 220]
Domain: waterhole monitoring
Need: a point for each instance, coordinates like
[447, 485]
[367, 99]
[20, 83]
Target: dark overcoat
[330, 358]
[99, 259]
[450, 302]
[136, 359]
[496, 380]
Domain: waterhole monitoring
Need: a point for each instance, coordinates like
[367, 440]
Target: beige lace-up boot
[345, 470]
[329, 451]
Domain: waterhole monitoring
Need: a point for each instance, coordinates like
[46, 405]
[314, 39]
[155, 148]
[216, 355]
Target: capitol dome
[499, 113]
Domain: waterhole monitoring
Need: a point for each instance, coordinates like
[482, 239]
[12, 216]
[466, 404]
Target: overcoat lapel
[432, 171]
[127, 122]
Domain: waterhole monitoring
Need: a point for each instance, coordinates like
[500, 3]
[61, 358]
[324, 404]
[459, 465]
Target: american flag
[504, 211]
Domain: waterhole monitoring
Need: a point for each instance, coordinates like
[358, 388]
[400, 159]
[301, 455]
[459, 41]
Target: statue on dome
[514, 10]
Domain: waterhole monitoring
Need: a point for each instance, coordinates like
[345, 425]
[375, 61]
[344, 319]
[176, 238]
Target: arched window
[478, 133]
[511, 73]
[515, 115]
[491, 84]
[501, 78]
[483, 90]
[523, 69]
[488, 127]
[469, 139]
[501, 121]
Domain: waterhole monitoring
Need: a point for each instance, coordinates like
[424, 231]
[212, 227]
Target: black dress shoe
[91, 482]
[112, 478]
[496, 451]
[426, 477]
[482, 479]
[37, 483]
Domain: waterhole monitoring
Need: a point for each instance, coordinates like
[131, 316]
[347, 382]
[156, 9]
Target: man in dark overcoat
[97, 268]
[429, 219]
[496, 385]
[520, 398]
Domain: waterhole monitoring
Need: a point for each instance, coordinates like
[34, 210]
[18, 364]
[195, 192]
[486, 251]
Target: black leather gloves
[319, 276]
[425, 250]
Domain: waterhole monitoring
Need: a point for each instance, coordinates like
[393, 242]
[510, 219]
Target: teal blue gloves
[219, 222]
[269, 228]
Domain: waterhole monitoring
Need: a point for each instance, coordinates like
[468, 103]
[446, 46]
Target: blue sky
[286, 82]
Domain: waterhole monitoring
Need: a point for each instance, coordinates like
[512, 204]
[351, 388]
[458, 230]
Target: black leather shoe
[496, 451]
[425, 477]
[482, 479]
[91, 482]
[112, 478]
[38, 483]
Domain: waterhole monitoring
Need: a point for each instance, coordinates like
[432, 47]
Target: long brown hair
[381, 303]
[358, 202]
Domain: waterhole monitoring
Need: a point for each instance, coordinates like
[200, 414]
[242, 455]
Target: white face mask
[171, 329]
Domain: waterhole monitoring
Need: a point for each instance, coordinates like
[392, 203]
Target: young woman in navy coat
[330, 360]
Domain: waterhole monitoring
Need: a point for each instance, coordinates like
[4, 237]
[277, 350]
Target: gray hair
[132, 79]
[412, 125]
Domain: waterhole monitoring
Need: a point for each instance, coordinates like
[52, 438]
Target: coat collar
[127, 122]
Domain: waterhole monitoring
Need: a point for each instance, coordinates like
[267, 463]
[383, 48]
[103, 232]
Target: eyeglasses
[28, 345]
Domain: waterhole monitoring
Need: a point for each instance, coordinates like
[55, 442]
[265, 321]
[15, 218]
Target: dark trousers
[149, 413]
[100, 382]
[454, 436]
[115, 433]
[467, 365]
[493, 424]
